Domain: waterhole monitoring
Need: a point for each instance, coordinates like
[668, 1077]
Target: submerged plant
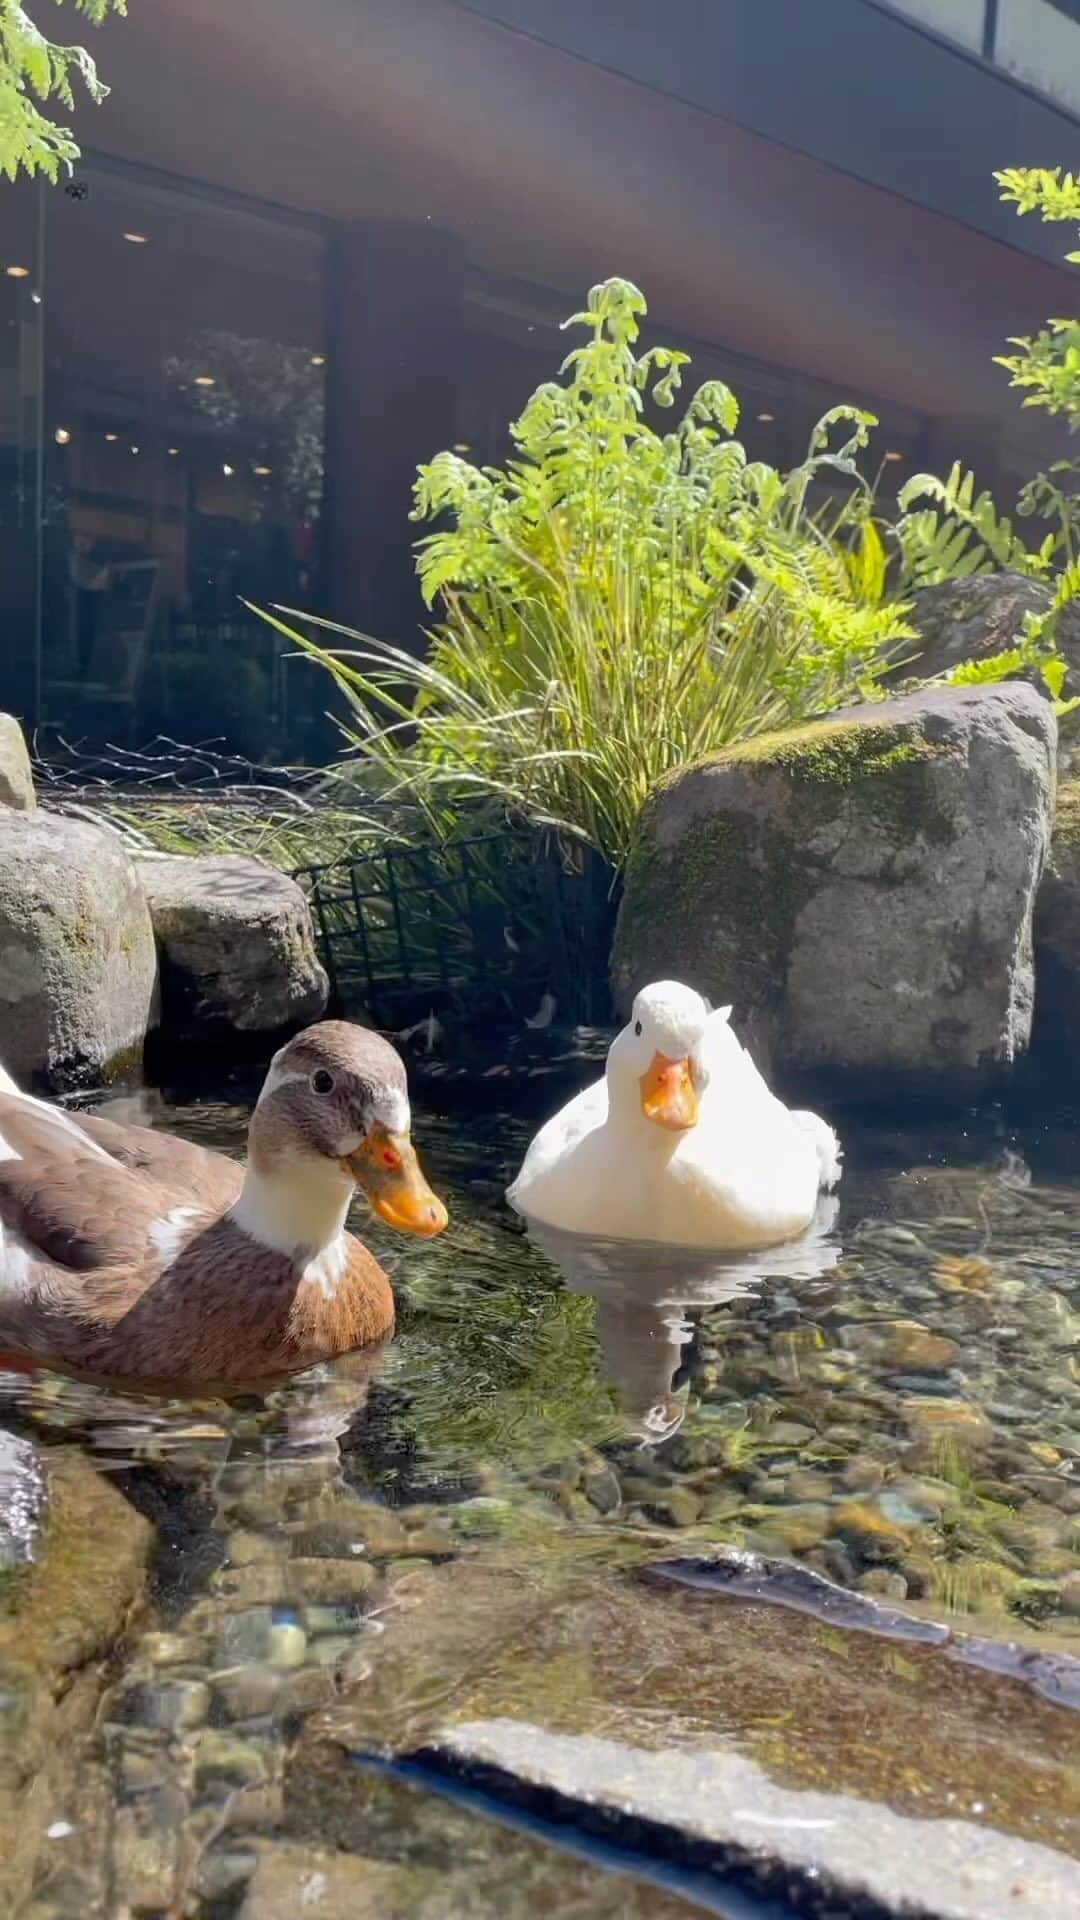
[619, 600]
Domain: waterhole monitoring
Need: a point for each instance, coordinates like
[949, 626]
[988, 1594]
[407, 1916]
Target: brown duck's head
[337, 1095]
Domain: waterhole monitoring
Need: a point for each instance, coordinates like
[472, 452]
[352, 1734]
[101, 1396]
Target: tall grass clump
[619, 600]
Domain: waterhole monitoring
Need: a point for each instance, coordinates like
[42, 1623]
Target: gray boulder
[16, 779]
[78, 969]
[237, 946]
[972, 619]
[861, 889]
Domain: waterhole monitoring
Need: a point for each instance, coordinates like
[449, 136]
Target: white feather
[746, 1175]
[63, 1123]
[327, 1270]
[17, 1259]
[171, 1234]
[300, 1208]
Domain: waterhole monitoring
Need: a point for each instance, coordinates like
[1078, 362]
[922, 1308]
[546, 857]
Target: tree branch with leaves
[33, 70]
[1047, 364]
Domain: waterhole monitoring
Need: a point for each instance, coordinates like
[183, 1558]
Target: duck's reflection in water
[646, 1295]
[276, 1442]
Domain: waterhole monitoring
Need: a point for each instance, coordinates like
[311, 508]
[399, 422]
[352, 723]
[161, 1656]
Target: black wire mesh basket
[500, 928]
[507, 926]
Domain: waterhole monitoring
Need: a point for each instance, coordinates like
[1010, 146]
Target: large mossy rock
[78, 968]
[860, 889]
[973, 619]
[16, 778]
[237, 947]
[69, 1588]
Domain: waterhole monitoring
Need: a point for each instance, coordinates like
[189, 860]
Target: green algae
[738, 864]
[1066, 834]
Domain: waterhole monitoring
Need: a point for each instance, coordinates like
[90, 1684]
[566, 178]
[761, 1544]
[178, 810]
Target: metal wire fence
[503, 926]
[499, 924]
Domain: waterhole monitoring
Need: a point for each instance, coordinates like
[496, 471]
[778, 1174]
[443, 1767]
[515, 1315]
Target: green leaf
[33, 68]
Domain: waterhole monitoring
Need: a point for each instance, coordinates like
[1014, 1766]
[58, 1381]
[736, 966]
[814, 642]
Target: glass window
[1039, 42]
[20, 470]
[960, 20]
[183, 460]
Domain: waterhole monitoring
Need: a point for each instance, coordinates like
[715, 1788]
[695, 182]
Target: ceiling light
[134, 449]
[766, 416]
[17, 273]
[174, 450]
[137, 239]
[462, 446]
[318, 359]
[893, 455]
[36, 298]
[62, 436]
[205, 380]
[228, 471]
[112, 436]
[263, 472]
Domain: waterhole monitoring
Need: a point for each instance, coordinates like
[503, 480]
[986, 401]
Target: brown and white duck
[134, 1256]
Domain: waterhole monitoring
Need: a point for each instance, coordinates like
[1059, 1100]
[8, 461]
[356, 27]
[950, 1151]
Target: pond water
[505, 1519]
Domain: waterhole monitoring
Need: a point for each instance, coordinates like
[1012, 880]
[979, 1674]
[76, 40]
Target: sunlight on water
[891, 1405]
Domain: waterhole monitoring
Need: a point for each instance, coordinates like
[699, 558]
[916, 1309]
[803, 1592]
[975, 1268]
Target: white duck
[680, 1142]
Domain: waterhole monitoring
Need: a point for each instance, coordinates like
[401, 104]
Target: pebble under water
[633, 1582]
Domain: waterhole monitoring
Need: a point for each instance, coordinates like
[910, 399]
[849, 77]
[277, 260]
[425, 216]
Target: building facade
[310, 246]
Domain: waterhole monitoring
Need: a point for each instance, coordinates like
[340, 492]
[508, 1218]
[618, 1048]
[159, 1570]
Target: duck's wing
[560, 1135]
[65, 1200]
[826, 1144]
[743, 1089]
[734, 1079]
[179, 1170]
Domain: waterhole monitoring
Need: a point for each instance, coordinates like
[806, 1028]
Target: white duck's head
[656, 1067]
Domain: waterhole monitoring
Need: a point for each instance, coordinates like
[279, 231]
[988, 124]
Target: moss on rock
[762, 875]
[892, 851]
[63, 1618]
[1065, 841]
[832, 752]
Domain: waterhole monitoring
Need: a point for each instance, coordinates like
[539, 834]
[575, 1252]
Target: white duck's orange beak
[667, 1094]
[386, 1166]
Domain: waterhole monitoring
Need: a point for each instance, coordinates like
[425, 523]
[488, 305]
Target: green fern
[960, 535]
[617, 601]
[1046, 365]
[33, 68]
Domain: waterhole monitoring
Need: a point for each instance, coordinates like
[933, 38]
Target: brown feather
[89, 1282]
[174, 1164]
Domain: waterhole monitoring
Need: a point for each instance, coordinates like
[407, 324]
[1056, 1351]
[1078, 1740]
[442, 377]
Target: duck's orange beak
[667, 1094]
[387, 1168]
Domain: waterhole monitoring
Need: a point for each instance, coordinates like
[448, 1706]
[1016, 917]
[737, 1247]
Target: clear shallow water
[893, 1406]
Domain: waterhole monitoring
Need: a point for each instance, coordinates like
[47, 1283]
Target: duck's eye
[322, 1082]
[637, 1028]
